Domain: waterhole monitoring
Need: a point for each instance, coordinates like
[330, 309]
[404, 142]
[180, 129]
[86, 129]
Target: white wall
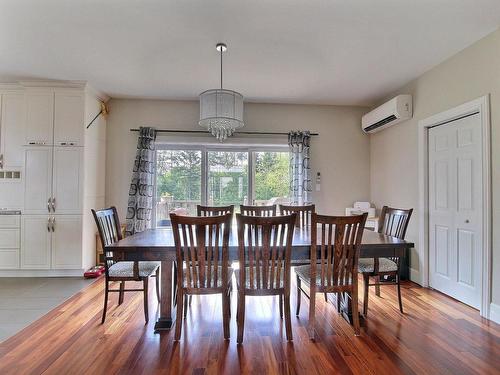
[468, 75]
[340, 153]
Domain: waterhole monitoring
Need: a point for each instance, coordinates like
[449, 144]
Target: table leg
[167, 312]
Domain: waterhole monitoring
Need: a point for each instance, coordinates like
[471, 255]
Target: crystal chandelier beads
[221, 110]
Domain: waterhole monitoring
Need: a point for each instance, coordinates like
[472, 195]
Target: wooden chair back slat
[303, 213]
[214, 210]
[265, 245]
[264, 211]
[202, 250]
[394, 221]
[337, 246]
[108, 226]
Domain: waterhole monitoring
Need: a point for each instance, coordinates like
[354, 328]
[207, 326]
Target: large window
[178, 182]
[227, 178]
[186, 177]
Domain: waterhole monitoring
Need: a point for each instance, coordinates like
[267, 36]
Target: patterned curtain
[140, 196]
[300, 170]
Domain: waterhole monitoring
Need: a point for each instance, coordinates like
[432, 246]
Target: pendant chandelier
[221, 110]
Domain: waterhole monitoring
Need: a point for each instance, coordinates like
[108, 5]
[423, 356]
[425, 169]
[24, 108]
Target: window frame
[205, 149]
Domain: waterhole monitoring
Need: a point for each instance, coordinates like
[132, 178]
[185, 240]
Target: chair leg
[299, 295]
[225, 314]
[326, 297]
[186, 297]
[145, 283]
[288, 320]
[312, 312]
[339, 295]
[157, 281]
[399, 295]
[241, 316]
[366, 281]
[377, 286]
[281, 305]
[355, 311]
[122, 293]
[105, 302]
[190, 299]
[178, 321]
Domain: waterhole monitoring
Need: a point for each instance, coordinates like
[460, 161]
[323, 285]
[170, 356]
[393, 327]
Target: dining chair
[201, 245]
[333, 267]
[393, 222]
[303, 213]
[266, 211]
[214, 210]
[108, 225]
[264, 246]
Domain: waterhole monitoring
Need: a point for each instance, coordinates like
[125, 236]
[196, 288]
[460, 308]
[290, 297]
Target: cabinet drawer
[10, 221]
[9, 238]
[9, 258]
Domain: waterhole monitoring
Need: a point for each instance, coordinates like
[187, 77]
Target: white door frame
[481, 106]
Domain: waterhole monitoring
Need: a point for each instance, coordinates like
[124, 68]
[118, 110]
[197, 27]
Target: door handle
[53, 204]
[48, 224]
[1, 161]
[467, 221]
[53, 224]
[48, 204]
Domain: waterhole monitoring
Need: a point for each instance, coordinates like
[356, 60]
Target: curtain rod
[206, 132]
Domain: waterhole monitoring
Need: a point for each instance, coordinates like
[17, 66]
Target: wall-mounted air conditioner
[390, 113]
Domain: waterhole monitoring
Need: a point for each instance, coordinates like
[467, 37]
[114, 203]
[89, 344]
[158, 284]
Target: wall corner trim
[494, 313]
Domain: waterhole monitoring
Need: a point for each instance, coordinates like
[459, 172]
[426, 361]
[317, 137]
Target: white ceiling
[297, 51]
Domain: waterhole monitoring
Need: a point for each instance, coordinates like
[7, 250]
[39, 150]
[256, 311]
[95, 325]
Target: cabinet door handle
[53, 224]
[48, 204]
[48, 225]
[1, 161]
[53, 204]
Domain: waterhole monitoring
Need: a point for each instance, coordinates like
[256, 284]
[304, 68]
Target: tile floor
[24, 299]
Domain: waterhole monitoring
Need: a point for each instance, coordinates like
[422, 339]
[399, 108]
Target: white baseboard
[495, 313]
[41, 273]
[415, 276]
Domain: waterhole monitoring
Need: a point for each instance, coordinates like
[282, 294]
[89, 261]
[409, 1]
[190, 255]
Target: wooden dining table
[158, 245]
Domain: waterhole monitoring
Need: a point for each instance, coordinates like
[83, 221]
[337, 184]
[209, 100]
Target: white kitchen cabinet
[12, 130]
[67, 182]
[44, 143]
[39, 117]
[37, 179]
[69, 114]
[10, 238]
[66, 241]
[36, 241]
[53, 180]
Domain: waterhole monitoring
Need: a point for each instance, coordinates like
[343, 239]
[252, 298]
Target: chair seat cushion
[367, 265]
[212, 284]
[126, 269]
[304, 272]
[254, 286]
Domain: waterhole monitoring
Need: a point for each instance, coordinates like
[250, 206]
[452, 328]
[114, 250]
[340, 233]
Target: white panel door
[69, 118]
[67, 180]
[35, 242]
[39, 117]
[12, 124]
[37, 179]
[67, 242]
[455, 209]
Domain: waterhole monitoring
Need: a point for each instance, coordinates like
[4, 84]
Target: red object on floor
[94, 272]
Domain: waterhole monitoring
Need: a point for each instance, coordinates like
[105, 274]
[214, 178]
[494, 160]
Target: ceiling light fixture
[221, 111]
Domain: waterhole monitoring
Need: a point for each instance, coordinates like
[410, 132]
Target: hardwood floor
[436, 335]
